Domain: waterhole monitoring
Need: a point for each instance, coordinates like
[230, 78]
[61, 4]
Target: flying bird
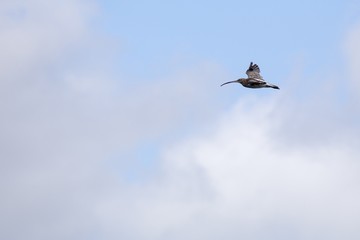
[254, 80]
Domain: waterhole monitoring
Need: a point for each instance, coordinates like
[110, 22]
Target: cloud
[261, 188]
[271, 167]
[34, 33]
[64, 118]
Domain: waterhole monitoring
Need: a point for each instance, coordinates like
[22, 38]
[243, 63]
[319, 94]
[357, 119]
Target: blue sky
[114, 124]
[230, 33]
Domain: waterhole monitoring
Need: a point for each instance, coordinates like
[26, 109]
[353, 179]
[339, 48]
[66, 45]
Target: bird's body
[254, 80]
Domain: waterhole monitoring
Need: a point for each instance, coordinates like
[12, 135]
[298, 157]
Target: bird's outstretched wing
[254, 71]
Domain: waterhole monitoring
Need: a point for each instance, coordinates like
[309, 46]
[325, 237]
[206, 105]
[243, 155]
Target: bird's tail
[272, 86]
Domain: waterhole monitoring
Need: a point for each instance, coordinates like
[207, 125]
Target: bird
[254, 80]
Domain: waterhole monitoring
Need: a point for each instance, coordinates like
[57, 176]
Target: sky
[114, 125]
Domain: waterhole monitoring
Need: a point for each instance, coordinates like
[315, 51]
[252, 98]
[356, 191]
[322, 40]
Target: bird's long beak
[228, 83]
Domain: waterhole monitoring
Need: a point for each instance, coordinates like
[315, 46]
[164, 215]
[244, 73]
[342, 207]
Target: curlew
[254, 80]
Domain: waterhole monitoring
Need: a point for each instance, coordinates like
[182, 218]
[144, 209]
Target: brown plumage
[254, 80]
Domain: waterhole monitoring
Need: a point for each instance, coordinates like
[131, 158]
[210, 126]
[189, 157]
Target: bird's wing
[255, 82]
[254, 71]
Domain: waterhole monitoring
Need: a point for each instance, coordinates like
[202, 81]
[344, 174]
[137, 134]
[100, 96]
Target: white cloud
[62, 123]
[262, 188]
[275, 170]
[36, 33]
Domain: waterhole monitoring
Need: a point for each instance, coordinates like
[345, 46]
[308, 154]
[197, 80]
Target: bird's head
[241, 80]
